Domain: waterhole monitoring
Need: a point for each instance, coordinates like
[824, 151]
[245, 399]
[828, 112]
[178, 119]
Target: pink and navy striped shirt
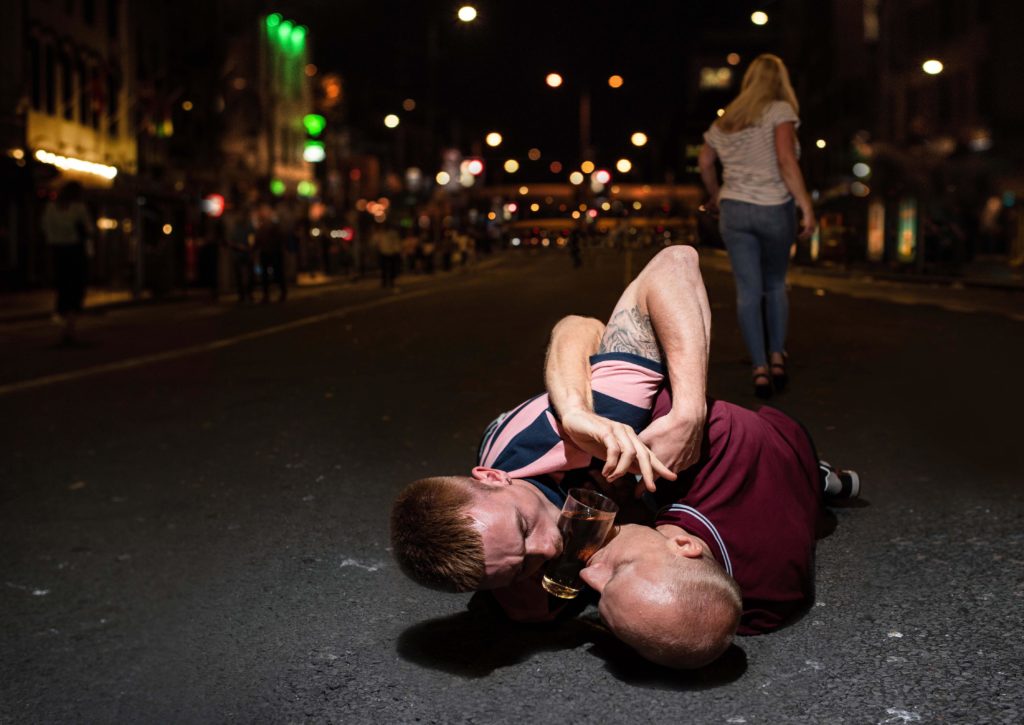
[527, 442]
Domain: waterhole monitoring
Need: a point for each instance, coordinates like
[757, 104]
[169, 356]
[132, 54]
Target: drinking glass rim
[600, 502]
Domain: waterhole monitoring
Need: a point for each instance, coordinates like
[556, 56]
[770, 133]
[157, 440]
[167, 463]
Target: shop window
[84, 102]
[114, 103]
[67, 87]
[50, 75]
[35, 65]
[96, 96]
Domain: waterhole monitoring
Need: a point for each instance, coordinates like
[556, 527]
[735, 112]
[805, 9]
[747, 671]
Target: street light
[733, 59]
[409, 104]
[556, 167]
[442, 178]
[820, 143]
[553, 79]
[511, 166]
[759, 17]
[639, 138]
[623, 165]
[932, 67]
[493, 139]
[467, 13]
[615, 81]
[534, 154]
[391, 120]
[576, 178]
[587, 166]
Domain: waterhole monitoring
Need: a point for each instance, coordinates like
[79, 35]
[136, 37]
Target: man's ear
[685, 545]
[490, 476]
[596, 576]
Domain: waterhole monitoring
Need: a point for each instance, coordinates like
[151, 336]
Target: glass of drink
[585, 523]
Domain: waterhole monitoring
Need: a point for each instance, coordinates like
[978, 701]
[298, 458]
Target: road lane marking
[158, 357]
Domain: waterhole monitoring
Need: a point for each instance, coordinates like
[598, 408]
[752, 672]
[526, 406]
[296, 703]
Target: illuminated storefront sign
[68, 163]
[907, 246]
[876, 231]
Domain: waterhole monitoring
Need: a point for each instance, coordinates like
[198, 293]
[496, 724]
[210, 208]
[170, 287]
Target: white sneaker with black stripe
[838, 483]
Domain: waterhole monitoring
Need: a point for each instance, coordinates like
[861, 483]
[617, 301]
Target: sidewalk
[981, 275]
[39, 304]
[994, 294]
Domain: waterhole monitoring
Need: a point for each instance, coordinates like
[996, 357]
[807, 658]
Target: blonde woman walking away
[755, 139]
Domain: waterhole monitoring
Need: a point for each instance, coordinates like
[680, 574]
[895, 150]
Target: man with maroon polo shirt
[753, 498]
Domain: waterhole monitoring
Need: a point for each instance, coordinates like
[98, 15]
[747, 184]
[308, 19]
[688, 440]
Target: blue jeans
[758, 239]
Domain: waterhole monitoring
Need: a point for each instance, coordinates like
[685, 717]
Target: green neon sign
[307, 188]
[284, 31]
[273, 20]
[314, 123]
[298, 37]
[276, 187]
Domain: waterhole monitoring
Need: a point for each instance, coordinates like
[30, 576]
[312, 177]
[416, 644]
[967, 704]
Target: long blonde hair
[766, 80]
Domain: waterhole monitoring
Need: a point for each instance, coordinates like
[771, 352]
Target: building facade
[66, 116]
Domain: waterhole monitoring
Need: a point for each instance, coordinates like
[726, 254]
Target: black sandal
[762, 385]
[779, 375]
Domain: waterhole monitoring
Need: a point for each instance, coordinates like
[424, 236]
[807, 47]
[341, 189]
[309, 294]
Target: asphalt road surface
[193, 513]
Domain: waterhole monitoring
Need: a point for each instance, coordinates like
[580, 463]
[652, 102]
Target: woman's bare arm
[789, 169]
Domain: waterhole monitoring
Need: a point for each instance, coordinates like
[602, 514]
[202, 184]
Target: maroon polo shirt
[754, 498]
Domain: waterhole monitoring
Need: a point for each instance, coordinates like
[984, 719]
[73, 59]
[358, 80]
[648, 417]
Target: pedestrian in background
[68, 229]
[270, 243]
[389, 249]
[240, 239]
[410, 250]
[427, 249]
[755, 139]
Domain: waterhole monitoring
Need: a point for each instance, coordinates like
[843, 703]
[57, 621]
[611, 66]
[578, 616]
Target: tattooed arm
[664, 316]
[666, 308]
[567, 375]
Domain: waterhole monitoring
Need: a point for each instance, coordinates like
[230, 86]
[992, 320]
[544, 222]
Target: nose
[590, 578]
[540, 552]
[550, 547]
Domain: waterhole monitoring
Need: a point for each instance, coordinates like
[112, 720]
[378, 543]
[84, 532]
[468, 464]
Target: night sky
[490, 73]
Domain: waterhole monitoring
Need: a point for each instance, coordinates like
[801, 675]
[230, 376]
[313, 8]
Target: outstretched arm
[567, 376]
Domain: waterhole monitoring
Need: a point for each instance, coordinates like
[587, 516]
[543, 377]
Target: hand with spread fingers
[618, 445]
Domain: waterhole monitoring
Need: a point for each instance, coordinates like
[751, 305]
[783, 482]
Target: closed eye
[525, 531]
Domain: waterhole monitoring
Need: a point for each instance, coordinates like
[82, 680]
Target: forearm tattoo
[632, 332]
